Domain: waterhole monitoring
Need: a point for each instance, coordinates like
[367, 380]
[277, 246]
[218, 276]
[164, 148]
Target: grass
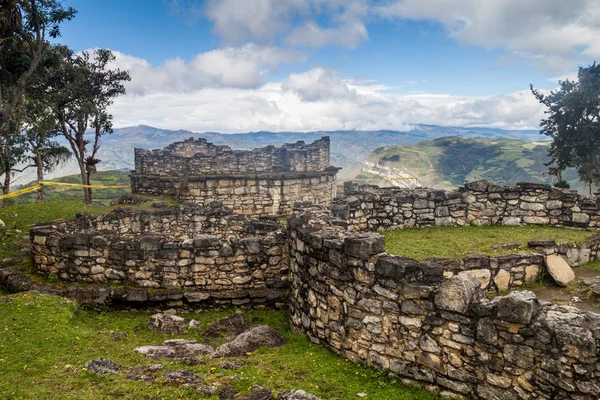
[591, 266]
[457, 242]
[101, 196]
[41, 335]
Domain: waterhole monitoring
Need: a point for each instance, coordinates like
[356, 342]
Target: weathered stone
[502, 280]
[296, 395]
[181, 376]
[364, 245]
[457, 293]
[102, 366]
[250, 340]
[519, 307]
[169, 324]
[177, 349]
[228, 327]
[559, 269]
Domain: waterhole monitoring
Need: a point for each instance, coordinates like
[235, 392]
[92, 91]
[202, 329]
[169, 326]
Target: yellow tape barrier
[74, 185]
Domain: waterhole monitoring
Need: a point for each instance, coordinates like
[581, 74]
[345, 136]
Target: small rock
[250, 340]
[194, 324]
[230, 365]
[102, 366]
[559, 269]
[261, 394]
[166, 323]
[206, 390]
[226, 392]
[181, 376]
[296, 395]
[229, 327]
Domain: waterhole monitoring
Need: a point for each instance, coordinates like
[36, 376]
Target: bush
[562, 184]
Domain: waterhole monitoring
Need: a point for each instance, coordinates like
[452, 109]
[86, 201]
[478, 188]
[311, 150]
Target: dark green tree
[84, 89]
[25, 27]
[573, 123]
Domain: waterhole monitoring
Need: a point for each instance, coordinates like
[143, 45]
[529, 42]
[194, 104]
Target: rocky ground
[240, 337]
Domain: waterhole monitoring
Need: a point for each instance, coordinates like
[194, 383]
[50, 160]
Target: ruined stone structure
[265, 181]
[401, 315]
[189, 253]
[429, 322]
[370, 208]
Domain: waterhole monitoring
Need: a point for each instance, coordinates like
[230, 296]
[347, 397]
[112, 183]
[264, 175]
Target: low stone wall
[252, 194]
[369, 208]
[401, 315]
[210, 251]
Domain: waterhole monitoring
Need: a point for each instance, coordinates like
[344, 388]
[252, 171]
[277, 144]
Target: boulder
[296, 395]
[228, 327]
[457, 293]
[102, 366]
[168, 323]
[559, 269]
[250, 340]
[177, 349]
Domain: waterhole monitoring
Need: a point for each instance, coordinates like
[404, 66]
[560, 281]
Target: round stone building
[263, 181]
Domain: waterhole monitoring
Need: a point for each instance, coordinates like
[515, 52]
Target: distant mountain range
[449, 162]
[348, 148]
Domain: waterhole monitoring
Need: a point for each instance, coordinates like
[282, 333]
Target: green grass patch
[457, 242]
[591, 266]
[41, 335]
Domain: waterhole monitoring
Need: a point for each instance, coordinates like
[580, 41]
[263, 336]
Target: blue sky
[239, 65]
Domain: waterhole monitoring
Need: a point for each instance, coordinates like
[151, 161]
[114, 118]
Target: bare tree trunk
[40, 176]
[6, 187]
[84, 181]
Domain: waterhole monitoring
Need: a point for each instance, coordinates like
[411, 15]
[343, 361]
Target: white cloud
[318, 84]
[317, 99]
[264, 21]
[240, 67]
[555, 34]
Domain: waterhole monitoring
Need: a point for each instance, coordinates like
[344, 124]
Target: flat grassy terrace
[457, 242]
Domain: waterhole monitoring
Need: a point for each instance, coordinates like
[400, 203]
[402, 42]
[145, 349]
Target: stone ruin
[428, 322]
[264, 181]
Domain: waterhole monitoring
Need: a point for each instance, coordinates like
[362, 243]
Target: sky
[307, 65]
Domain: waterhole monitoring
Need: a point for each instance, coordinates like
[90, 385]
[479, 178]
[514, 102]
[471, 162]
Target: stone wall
[206, 254]
[369, 208]
[265, 181]
[251, 194]
[401, 315]
[198, 157]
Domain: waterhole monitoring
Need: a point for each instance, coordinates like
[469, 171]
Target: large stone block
[457, 293]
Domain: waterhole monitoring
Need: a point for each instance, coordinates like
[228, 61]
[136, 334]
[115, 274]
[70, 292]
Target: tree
[574, 123]
[12, 153]
[84, 88]
[25, 25]
[40, 128]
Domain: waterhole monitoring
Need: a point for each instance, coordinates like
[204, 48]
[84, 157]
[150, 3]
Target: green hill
[101, 196]
[449, 162]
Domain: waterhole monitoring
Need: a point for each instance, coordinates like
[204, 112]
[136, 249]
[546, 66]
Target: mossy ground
[458, 242]
[41, 335]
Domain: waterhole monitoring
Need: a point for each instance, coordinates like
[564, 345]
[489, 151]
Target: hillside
[449, 162]
[348, 148]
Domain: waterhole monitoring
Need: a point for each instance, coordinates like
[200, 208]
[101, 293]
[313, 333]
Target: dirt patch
[577, 294]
